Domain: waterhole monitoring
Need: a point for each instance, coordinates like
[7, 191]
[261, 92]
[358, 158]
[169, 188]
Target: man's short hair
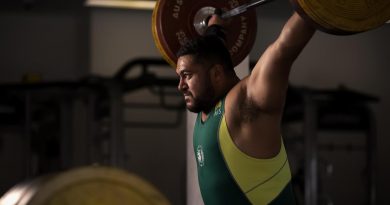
[208, 50]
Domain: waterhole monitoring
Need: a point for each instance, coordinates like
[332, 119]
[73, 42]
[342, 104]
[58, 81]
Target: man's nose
[182, 85]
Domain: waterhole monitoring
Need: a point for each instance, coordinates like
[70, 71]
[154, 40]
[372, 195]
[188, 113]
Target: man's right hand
[216, 19]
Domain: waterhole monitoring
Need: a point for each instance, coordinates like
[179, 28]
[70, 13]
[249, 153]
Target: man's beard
[205, 102]
[201, 105]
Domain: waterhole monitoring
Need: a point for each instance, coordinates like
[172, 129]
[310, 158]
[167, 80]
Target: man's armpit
[249, 111]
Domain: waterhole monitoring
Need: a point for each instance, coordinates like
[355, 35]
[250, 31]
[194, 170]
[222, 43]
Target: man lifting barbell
[237, 141]
[238, 145]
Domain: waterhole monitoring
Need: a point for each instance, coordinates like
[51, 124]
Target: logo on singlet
[199, 155]
[218, 110]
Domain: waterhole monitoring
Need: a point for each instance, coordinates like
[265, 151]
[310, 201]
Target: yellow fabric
[260, 179]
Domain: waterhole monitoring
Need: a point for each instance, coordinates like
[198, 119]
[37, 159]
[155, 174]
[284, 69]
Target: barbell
[176, 21]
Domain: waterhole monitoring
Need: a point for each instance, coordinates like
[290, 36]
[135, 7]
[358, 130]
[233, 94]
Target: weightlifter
[238, 145]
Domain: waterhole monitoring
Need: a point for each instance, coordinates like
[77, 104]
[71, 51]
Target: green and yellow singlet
[228, 176]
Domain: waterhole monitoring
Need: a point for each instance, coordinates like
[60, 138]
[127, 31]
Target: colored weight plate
[90, 185]
[173, 24]
[343, 17]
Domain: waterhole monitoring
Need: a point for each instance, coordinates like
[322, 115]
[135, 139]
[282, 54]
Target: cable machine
[339, 111]
[47, 111]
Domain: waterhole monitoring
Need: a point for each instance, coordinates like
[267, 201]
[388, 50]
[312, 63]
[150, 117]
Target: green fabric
[216, 184]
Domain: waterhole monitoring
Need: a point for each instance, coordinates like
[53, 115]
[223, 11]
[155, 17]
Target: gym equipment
[176, 21]
[85, 186]
[344, 17]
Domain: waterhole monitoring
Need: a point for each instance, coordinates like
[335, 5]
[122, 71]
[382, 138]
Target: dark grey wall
[51, 42]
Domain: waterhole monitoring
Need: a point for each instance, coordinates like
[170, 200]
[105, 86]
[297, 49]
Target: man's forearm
[295, 35]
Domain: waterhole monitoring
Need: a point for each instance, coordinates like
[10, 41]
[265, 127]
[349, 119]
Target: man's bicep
[268, 81]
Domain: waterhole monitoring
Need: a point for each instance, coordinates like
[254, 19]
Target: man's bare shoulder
[240, 108]
[253, 130]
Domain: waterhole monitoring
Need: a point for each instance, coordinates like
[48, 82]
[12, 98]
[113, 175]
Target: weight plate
[174, 22]
[343, 17]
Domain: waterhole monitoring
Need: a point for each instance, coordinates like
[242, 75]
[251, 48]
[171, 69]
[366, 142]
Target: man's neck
[204, 116]
[230, 84]
[205, 113]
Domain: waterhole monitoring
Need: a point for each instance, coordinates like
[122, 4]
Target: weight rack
[338, 110]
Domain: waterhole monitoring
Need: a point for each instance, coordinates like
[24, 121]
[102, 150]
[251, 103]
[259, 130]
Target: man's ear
[217, 72]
